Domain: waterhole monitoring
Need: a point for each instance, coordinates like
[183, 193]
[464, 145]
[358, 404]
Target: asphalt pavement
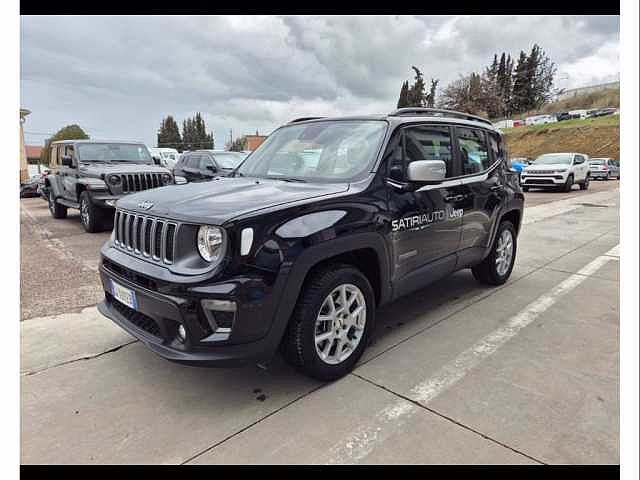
[457, 372]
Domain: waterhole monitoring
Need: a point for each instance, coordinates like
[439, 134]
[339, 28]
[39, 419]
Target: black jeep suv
[328, 219]
[92, 175]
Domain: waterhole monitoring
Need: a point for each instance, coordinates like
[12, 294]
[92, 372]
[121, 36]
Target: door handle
[454, 198]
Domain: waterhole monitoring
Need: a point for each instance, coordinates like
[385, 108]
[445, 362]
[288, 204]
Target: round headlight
[210, 240]
[114, 179]
[166, 178]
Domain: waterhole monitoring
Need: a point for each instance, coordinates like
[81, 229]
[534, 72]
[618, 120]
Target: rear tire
[348, 333]
[496, 268]
[56, 210]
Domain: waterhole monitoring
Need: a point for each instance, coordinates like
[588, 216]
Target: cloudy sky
[117, 77]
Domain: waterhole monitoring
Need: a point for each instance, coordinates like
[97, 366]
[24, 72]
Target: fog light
[182, 333]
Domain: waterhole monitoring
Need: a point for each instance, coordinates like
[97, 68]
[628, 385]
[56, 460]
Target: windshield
[228, 159]
[113, 152]
[330, 151]
[554, 159]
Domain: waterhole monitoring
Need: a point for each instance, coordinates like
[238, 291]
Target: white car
[540, 120]
[557, 170]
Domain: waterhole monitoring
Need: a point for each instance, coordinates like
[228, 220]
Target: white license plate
[124, 295]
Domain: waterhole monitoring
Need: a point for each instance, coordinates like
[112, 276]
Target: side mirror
[66, 160]
[432, 171]
[212, 168]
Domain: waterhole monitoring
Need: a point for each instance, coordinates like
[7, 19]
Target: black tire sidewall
[569, 183]
[314, 363]
[500, 279]
[93, 224]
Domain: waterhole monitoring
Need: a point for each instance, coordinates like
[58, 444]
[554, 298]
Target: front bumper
[243, 336]
[104, 199]
[542, 180]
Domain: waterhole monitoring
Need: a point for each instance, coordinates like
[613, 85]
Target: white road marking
[386, 422]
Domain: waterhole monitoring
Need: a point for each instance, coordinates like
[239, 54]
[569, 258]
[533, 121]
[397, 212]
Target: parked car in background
[519, 163]
[581, 113]
[540, 120]
[562, 116]
[601, 112]
[92, 175]
[30, 188]
[604, 168]
[557, 170]
[518, 123]
[203, 165]
[165, 157]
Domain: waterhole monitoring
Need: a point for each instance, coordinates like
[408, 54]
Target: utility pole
[231, 136]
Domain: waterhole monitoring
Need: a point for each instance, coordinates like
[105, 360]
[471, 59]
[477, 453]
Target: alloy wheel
[84, 212]
[340, 324]
[504, 252]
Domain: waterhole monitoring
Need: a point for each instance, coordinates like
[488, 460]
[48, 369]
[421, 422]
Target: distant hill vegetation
[597, 137]
[608, 97]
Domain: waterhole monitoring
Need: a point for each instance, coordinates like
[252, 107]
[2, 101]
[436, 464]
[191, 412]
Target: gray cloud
[118, 76]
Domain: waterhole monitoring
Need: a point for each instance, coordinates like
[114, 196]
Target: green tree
[403, 100]
[520, 92]
[430, 99]
[238, 144]
[194, 134]
[414, 95]
[169, 134]
[70, 132]
[416, 92]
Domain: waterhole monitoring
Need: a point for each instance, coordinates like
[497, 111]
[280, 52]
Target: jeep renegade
[92, 175]
[327, 220]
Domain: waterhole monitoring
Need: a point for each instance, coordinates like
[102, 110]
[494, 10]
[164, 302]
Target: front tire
[585, 184]
[56, 210]
[331, 323]
[91, 216]
[568, 184]
[525, 189]
[496, 268]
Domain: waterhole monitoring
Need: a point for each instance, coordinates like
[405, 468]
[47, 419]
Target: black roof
[124, 142]
[411, 115]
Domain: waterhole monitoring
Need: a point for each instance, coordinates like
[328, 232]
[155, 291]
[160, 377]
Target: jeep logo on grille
[146, 205]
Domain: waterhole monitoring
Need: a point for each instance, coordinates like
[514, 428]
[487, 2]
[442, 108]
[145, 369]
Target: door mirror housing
[66, 160]
[212, 168]
[430, 171]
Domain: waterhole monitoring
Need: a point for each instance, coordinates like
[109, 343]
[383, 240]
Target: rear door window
[474, 153]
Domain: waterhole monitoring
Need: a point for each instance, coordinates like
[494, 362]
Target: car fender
[291, 284]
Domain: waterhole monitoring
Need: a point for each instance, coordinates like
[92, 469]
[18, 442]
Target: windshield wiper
[290, 179]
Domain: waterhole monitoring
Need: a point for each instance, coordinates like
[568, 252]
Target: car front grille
[136, 182]
[539, 172]
[149, 237]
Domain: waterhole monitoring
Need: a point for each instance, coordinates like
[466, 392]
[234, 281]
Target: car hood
[97, 169]
[224, 198]
[544, 168]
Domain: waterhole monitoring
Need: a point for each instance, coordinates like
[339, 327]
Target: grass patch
[608, 121]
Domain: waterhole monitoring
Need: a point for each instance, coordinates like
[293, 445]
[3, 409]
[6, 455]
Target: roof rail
[303, 119]
[437, 112]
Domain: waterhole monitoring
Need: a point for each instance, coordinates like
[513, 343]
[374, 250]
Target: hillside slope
[597, 137]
